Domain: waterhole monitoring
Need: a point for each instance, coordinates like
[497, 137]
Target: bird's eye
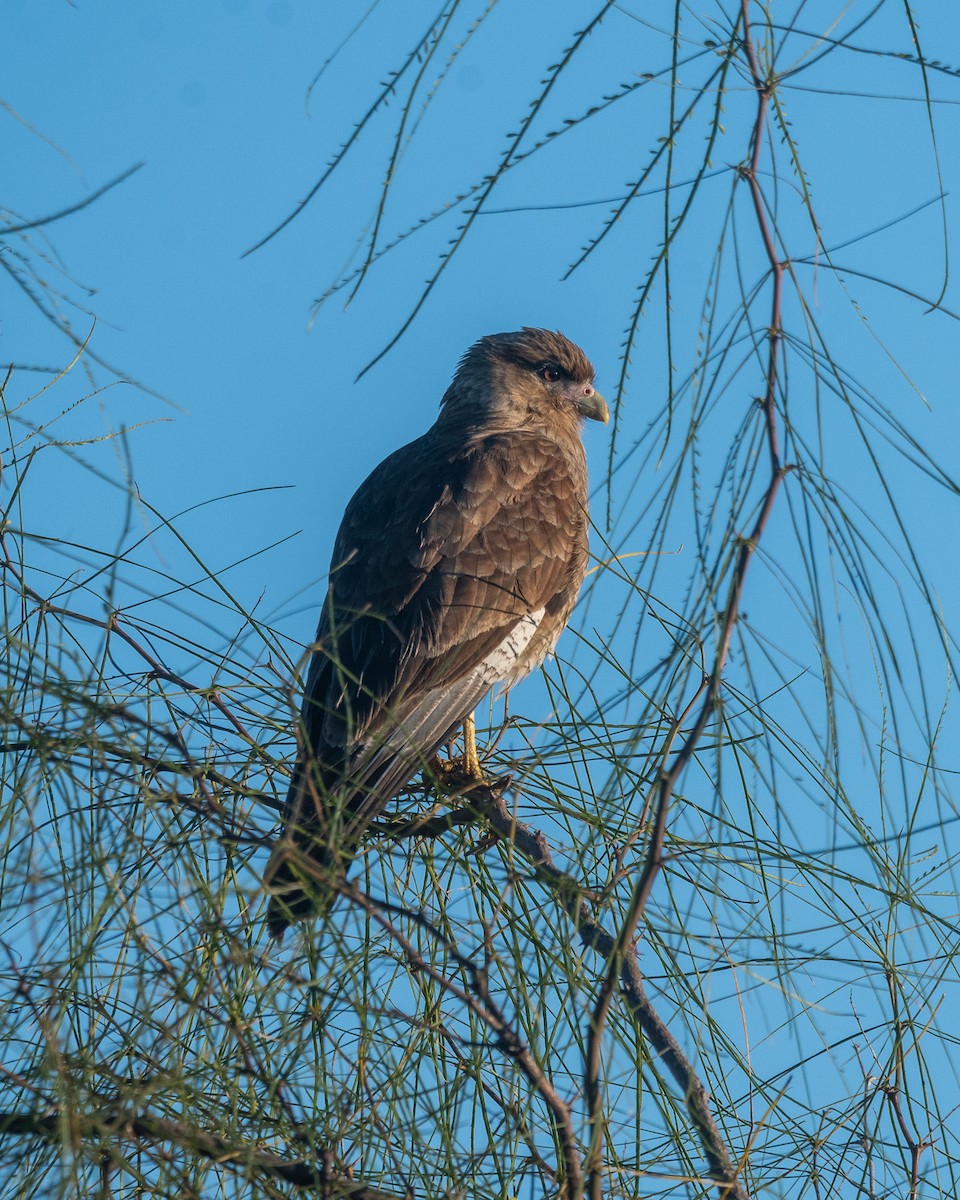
[549, 372]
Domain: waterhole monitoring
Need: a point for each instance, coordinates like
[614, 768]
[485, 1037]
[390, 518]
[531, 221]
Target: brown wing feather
[444, 549]
[422, 592]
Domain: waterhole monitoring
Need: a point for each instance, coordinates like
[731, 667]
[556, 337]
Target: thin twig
[914, 1144]
[748, 546]
[112, 625]
[73, 208]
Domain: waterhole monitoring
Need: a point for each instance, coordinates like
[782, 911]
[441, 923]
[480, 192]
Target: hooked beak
[593, 406]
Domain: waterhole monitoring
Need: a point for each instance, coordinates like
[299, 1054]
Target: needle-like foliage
[698, 937]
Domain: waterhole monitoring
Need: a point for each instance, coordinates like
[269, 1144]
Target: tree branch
[482, 1004]
[617, 960]
[322, 1177]
[531, 843]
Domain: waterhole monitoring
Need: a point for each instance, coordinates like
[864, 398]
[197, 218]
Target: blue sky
[213, 99]
[259, 390]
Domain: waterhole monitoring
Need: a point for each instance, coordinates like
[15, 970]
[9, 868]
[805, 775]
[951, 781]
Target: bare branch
[112, 1122]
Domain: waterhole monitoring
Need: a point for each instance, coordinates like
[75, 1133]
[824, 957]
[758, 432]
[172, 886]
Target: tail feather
[301, 879]
[324, 831]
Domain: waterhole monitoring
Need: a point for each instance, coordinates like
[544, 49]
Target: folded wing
[456, 567]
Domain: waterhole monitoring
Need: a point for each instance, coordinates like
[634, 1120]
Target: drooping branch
[712, 682]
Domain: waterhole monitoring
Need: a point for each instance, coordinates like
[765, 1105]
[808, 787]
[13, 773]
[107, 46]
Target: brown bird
[457, 565]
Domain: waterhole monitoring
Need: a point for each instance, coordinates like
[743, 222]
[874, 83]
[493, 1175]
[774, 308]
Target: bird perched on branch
[457, 565]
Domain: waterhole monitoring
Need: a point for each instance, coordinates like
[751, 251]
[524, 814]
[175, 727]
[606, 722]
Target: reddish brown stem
[748, 546]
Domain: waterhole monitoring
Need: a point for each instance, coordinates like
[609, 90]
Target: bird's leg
[471, 759]
[462, 770]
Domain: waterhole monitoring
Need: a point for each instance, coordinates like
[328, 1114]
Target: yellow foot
[458, 773]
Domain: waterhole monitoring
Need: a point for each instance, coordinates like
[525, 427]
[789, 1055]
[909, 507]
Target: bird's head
[523, 378]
